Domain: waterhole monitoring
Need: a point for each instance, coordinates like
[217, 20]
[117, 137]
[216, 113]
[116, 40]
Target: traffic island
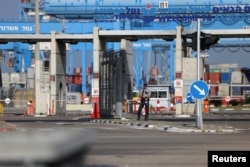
[4, 127]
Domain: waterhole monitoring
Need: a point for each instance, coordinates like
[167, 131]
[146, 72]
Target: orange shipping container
[214, 77]
[77, 79]
[206, 76]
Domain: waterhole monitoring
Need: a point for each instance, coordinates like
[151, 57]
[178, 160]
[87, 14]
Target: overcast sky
[9, 9]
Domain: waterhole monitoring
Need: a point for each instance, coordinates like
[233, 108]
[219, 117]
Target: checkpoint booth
[159, 100]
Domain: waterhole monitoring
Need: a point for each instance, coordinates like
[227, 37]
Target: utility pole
[199, 119]
[37, 50]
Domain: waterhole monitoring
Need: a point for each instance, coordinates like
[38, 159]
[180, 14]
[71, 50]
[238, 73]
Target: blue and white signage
[20, 28]
[189, 97]
[199, 89]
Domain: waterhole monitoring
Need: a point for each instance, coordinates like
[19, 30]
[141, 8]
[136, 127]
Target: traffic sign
[199, 89]
[189, 97]
[95, 91]
[7, 100]
[178, 83]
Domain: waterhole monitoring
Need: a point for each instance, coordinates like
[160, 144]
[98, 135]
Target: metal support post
[199, 120]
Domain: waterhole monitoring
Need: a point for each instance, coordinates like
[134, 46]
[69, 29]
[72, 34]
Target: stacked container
[77, 75]
[220, 77]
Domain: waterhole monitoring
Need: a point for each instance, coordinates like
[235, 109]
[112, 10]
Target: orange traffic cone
[95, 113]
[31, 107]
[134, 106]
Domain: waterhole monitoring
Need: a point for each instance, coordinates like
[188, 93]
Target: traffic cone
[31, 107]
[25, 113]
[158, 106]
[48, 111]
[134, 106]
[171, 107]
[95, 113]
[48, 105]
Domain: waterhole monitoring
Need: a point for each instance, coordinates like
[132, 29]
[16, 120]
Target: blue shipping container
[225, 77]
[74, 88]
[236, 91]
[248, 77]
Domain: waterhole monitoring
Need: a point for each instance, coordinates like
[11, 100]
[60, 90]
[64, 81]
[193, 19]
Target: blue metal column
[84, 67]
[172, 62]
[27, 59]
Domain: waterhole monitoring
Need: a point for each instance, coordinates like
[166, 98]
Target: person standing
[144, 96]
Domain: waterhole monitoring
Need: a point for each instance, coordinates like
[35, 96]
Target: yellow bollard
[1, 107]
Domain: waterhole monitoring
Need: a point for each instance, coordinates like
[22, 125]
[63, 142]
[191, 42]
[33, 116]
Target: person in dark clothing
[144, 96]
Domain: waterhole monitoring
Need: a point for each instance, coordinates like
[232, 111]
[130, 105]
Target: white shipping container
[6, 79]
[15, 78]
[223, 90]
[236, 77]
[225, 70]
[223, 65]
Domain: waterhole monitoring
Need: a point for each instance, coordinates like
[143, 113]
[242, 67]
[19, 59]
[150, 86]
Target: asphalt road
[116, 145]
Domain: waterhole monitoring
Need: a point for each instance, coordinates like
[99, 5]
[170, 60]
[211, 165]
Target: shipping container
[206, 67]
[245, 89]
[206, 76]
[212, 70]
[225, 77]
[234, 65]
[77, 71]
[236, 91]
[214, 77]
[234, 69]
[247, 75]
[77, 79]
[223, 70]
[214, 66]
[74, 88]
[89, 70]
[236, 77]
[69, 79]
[223, 90]
[213, 90]
[6, 79]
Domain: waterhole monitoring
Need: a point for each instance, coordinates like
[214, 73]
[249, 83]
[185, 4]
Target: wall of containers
[226, 80]
[74, 82]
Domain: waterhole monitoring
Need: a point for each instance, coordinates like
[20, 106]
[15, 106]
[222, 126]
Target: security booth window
[153, 94]
[162, 94]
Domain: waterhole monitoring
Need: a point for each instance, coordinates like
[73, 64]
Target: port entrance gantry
[57, 91]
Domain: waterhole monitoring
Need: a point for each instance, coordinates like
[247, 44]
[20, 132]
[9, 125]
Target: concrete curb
[4, 127]
[152, 125]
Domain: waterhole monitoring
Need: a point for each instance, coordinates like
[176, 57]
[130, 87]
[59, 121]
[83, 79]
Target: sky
[9, 9]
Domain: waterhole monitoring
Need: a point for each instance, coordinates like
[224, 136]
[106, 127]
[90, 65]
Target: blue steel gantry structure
[80, 16]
